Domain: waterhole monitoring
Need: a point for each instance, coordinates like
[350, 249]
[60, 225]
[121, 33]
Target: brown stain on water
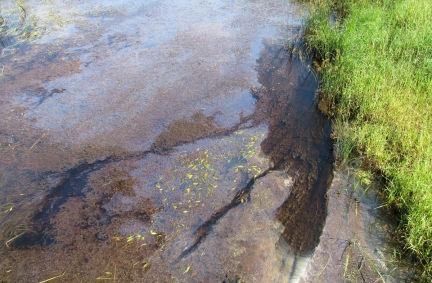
[185, 131]
[298, 141]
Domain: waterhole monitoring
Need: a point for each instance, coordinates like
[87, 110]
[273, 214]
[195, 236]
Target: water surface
[159, 141]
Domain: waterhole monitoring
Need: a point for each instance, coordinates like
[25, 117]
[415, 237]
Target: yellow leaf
[187, 269]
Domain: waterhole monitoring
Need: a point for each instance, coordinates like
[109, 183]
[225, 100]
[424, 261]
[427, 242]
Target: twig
[37, 141]
[384, 205]
[52, 278]
[10, 240]
[108, 278]
[325, 266]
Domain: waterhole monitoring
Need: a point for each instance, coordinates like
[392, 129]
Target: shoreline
[375, 69]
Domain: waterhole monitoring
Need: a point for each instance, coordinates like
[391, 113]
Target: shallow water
[159, 141]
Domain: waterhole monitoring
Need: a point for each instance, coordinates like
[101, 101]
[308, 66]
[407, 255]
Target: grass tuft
[16, 27]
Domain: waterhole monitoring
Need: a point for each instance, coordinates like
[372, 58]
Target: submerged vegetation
[17, 26]
[375, 63]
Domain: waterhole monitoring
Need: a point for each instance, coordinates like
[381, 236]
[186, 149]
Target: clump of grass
[16, 27]
[376, 75]
[359, 266]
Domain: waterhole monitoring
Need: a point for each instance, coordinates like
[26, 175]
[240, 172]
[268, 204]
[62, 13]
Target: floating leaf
[187, 269]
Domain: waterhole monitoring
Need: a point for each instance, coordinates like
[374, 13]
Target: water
[160, 141]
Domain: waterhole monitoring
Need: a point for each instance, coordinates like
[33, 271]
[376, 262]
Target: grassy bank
[376, 75]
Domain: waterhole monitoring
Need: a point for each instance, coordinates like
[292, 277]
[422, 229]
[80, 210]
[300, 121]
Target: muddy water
[159, 141]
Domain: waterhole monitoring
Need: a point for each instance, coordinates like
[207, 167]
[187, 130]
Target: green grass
[376, 77]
